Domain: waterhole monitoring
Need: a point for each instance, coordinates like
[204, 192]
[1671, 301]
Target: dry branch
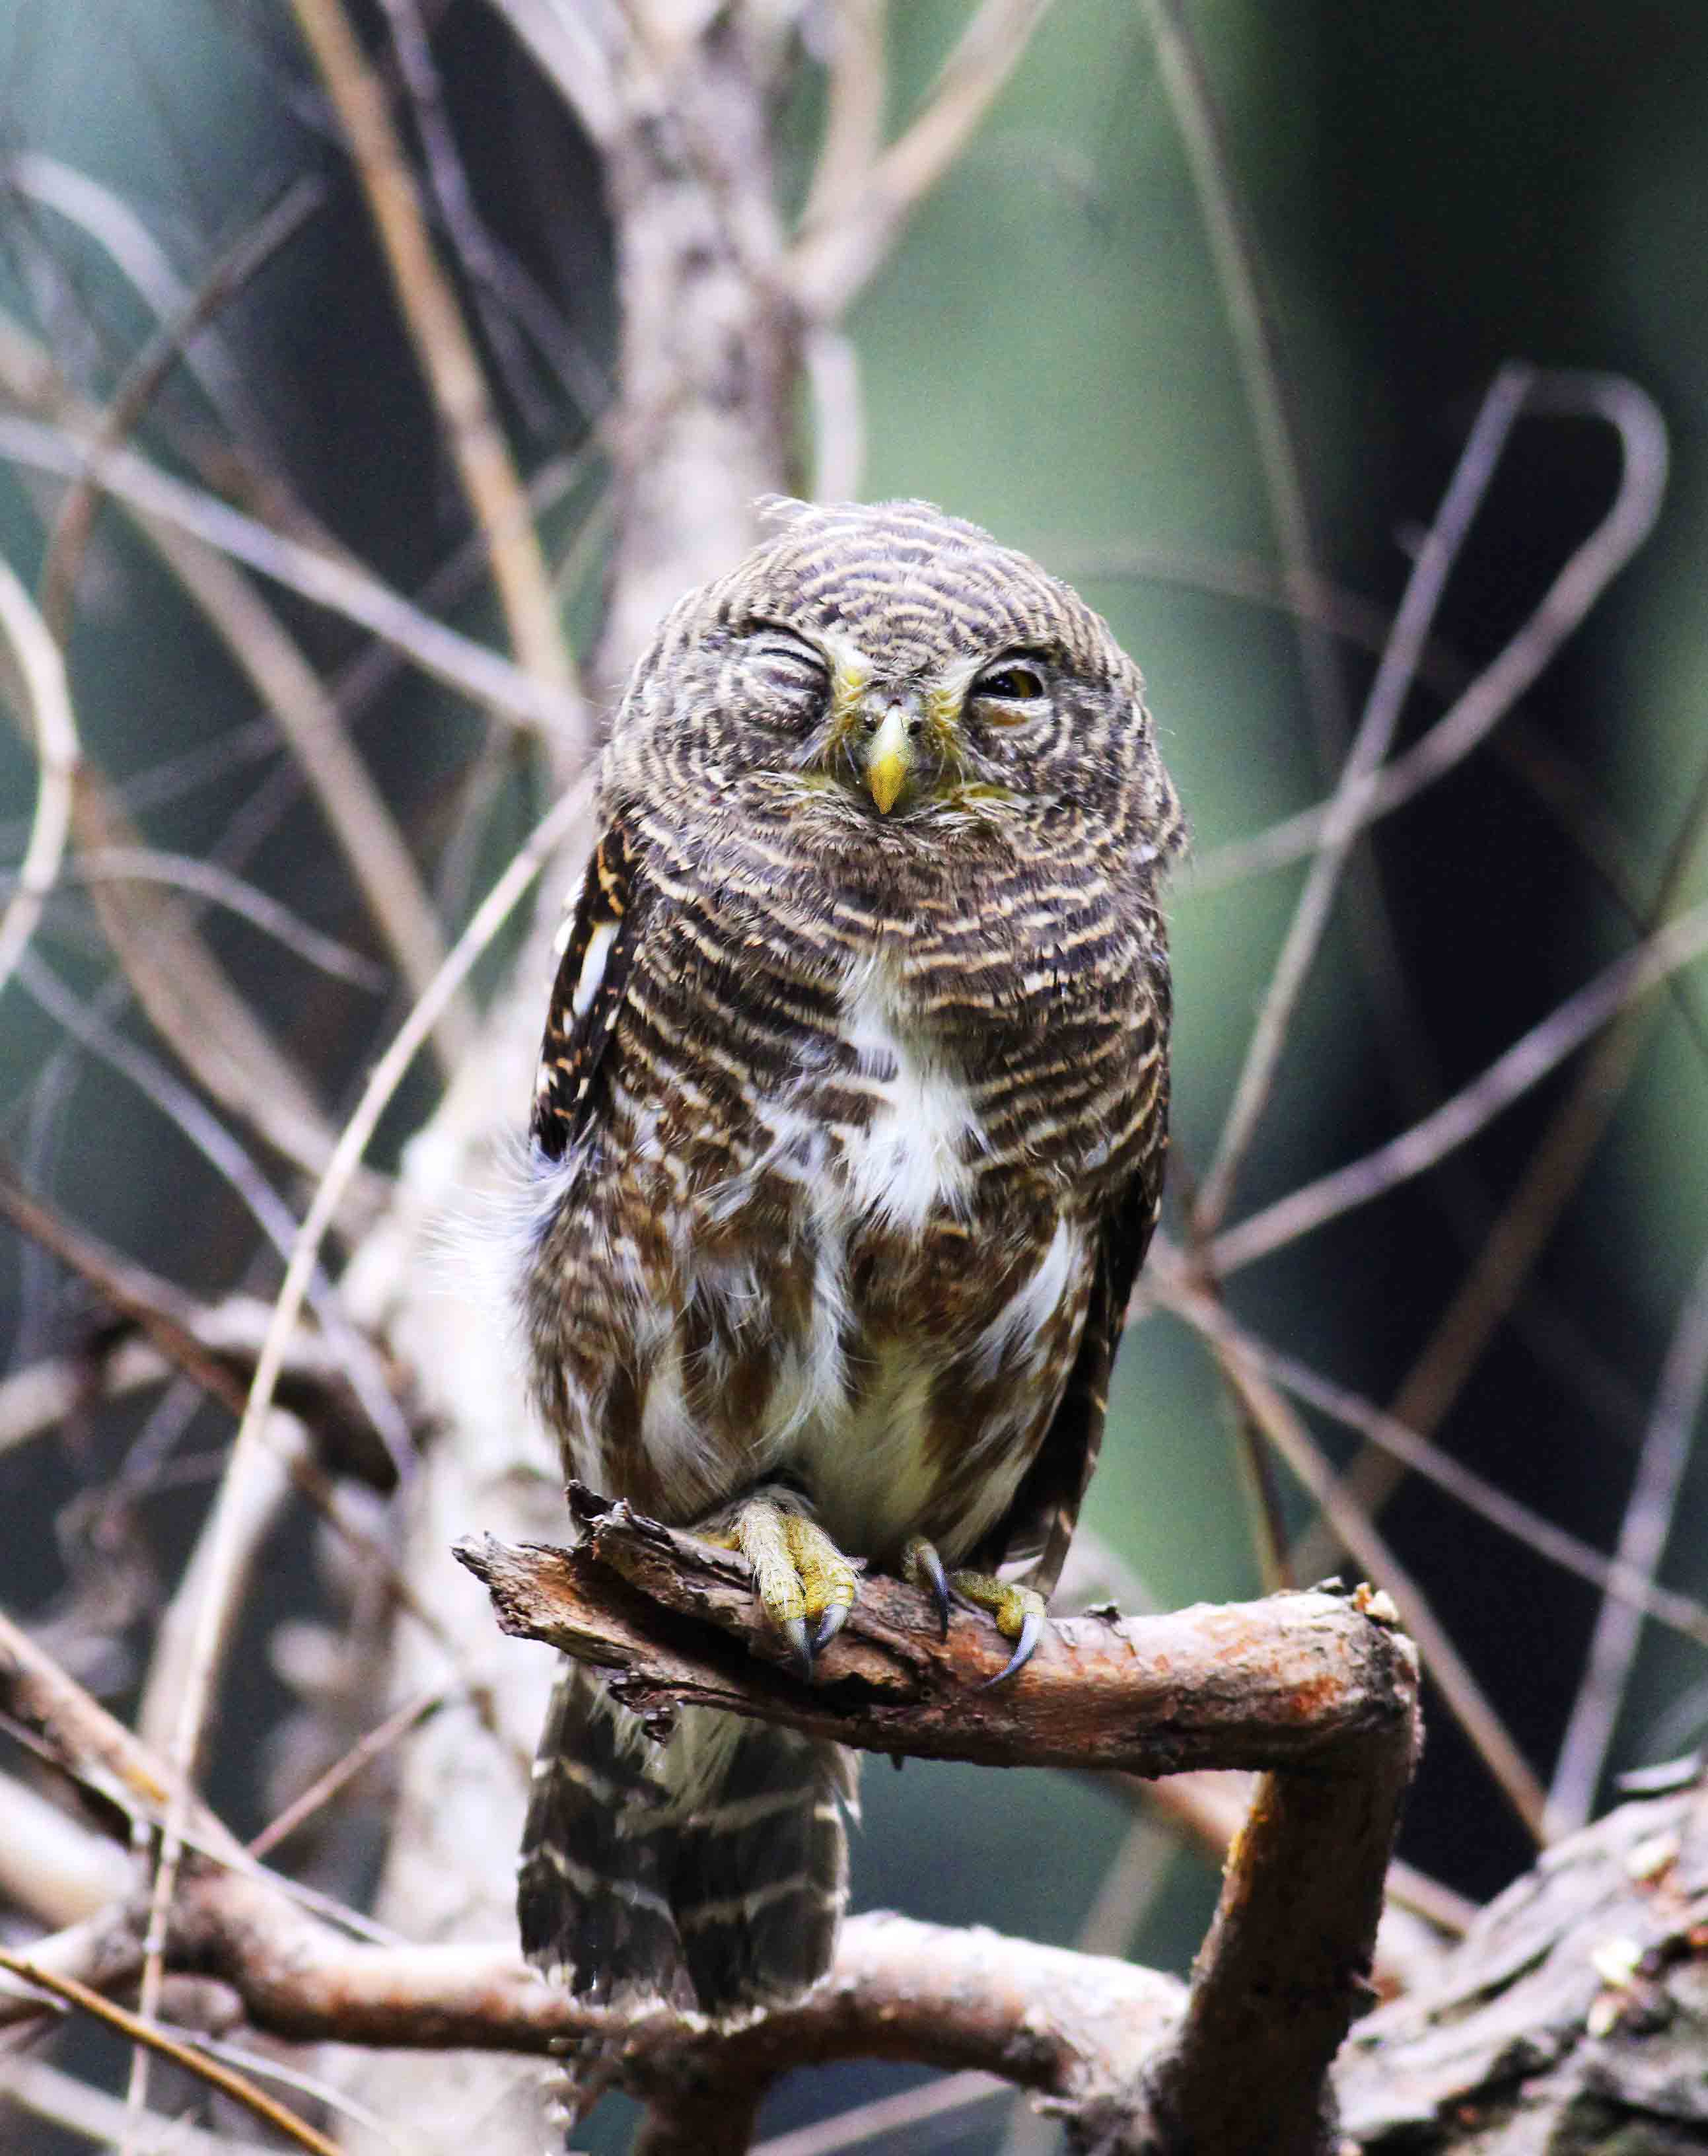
[1317, 1689]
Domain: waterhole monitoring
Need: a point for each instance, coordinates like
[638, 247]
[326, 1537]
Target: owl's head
[892, 671]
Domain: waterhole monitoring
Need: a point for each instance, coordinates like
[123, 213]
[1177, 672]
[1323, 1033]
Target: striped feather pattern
[851, 1133]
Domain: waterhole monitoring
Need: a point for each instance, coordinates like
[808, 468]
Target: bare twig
[356, 810]
[138, 2030]
[88, 2112]
[58, 1871]
[855, 92]
[886, 2115]
[1465, 1698]
[841, 248]
[225, 1529]
[1592, 568]
[219, 887]
[114, 224]
[258, 1498]
[1629, 1585]
[1376, 731]
[1233, 249]
[342, 1771]
[472, 669]
[70, 535]
[53, 731]
[1643, 1539]
[1496, 1280]
[1529, 1059]
[429, 308]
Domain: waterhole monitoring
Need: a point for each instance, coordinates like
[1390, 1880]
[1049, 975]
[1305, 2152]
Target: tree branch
[1320, 1689]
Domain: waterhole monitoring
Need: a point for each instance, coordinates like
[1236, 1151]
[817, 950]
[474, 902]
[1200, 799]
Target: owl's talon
[829, 1624]
[923, 1569]
[1031, 1632]
[1019, 1614]
[802, 1647]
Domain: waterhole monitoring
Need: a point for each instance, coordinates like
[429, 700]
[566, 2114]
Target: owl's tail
[708, 1872]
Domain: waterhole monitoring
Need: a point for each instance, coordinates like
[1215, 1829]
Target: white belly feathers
[849, 1409]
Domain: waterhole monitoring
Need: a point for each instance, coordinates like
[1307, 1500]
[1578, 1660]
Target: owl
[846, 1145]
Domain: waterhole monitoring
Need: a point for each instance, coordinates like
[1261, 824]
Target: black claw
[794, 1630]
[937, 1581]
[1031, 1632]
[829, 1624]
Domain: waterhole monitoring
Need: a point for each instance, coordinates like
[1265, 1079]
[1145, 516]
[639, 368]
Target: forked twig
[846, 241]
[224, 1528]
[1375, 734]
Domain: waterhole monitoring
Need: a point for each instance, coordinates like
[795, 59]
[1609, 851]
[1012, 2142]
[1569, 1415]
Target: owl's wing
[1039, 1524]
[591, 975]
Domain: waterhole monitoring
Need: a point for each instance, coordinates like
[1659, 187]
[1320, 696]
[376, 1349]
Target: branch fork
[1318, 1690]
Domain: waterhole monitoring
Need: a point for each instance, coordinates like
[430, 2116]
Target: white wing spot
[593, 970]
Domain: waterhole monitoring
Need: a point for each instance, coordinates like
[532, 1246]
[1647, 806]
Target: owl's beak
[889, 760]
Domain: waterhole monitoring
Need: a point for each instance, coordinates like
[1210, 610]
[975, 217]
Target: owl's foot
[1018, 1611]
[805, 1585]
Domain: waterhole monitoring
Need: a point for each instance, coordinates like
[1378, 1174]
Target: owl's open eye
[1011, 692]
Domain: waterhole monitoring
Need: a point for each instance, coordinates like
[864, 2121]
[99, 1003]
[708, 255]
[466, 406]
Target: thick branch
[1319, 1690]
[1296, 1679]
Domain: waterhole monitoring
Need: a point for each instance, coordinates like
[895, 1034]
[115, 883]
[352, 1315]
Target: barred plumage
[849, 1138]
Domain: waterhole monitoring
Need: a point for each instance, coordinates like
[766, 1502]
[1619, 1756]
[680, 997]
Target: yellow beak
[889, 760]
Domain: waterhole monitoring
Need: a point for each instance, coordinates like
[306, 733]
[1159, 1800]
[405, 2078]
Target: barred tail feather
[708, 1873]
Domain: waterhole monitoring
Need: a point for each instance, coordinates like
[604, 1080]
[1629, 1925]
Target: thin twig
[53, 731]
[1233, 250]
[342, 1771]
[1494, 1282]
[1389, 692]
[202, 1342]
[1591, 568]
[835, 256]
[1643, 1533]
[904, 2113]
[113, 223]
[856, 90]
[472, 669]
[69, 537]
[219, 887]
[50, 1866]
[447, 357]
[222, 1152]
[1629, 1585]
[64, 2101]
[138, 2029]
[258, 1496]
[350, 800]
[1465, 1698]
[1529, 1059]
[454, 201]
[224, 1530]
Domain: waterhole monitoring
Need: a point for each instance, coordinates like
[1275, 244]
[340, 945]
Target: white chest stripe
[910, 1156]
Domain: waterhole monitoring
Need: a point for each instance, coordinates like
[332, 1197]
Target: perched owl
[847, 1146]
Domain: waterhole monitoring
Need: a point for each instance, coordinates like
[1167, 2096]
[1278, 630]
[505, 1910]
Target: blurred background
[1430, 192]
